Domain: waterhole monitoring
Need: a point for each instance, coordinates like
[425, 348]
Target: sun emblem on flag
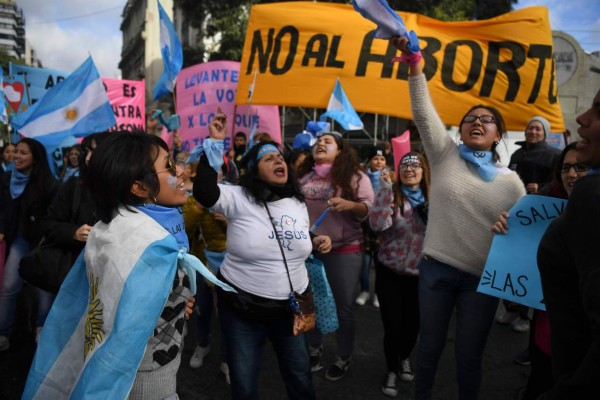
[94, 319]
[71, 113]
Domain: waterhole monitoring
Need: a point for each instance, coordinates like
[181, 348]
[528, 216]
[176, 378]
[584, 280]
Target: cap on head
[375, 151]
[543, 121]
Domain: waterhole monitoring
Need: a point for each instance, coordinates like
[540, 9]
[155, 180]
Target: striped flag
[340, 109]
[172, 54]
[96, 333]
[76, 106]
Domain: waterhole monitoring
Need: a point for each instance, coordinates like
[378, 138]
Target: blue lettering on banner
[511, 270]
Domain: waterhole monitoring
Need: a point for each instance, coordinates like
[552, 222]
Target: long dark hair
[40, 176]
[345, 167]
[399, 196]
[498, 120]
[120, 160]
[256, 187]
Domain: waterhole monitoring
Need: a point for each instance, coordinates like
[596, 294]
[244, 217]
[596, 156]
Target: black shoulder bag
[47, 265]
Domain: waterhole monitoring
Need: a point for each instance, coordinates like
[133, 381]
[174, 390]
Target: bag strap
[280, 247]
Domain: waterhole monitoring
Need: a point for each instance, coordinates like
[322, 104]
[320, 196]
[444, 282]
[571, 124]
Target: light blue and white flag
[388, 22]
[340, 109]
[3, 114]
[172, 54]
[106, 311]
[76, 106]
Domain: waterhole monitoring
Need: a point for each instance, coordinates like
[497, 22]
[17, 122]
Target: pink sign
[400, 146]
[202, 89]
[128, 100]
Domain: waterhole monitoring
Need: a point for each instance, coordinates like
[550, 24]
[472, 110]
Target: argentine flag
[388, 22]
[106, 311]
[172, 54]
[76, 106]
[340, 109]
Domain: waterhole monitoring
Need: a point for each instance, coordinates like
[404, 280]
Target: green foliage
[5, 59]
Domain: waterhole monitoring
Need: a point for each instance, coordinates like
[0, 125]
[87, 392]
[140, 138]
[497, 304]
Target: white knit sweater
[462, 206]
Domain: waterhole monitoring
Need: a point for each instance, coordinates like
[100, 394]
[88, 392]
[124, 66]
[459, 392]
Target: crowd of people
[254, 215]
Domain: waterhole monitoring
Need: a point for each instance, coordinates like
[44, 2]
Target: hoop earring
[152, 204]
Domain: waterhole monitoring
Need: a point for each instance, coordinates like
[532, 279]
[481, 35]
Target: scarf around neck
[374, 177]
[18, 183]
[322, 170]
[170, 218]
[414, 196]
[482, 160]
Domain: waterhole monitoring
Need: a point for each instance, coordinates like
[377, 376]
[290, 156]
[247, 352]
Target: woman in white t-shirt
[266, 218]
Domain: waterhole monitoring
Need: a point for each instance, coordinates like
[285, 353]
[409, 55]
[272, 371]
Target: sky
[65, 32]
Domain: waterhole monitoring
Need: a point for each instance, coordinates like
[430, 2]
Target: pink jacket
[343, 227]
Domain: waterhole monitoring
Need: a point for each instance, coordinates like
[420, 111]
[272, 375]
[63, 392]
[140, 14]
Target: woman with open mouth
[469, 190]
[332, 181]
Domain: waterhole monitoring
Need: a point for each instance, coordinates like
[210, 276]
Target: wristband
[411, 59]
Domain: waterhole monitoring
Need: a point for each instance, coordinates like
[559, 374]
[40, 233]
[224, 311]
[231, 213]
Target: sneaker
[520, 325]
[406, 373]
[362, 298]
[225, 370]
[338, 370]
[375, 301]
[507, 318]
[197, 358]
[315, 358]
[523, 358]
[4, 343]
[389, 387]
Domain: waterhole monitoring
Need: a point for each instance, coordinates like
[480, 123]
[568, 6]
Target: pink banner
[202, 89]
[128, 100]
[400, 146]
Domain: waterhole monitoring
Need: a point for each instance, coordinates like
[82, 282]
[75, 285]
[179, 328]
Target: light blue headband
[266, 149]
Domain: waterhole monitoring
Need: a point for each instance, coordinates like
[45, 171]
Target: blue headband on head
[266, 149]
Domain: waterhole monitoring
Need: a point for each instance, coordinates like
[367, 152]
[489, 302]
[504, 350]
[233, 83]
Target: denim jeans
[442, 289]
[11, 286]
[246, 340]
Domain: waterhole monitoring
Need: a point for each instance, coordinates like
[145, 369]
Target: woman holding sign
[569, 263]
[469, 191]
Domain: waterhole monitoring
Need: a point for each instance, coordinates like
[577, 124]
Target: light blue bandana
[482, 160]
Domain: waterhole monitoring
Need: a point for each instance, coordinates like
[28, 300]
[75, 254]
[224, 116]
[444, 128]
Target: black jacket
[25, 213]
[71, 208]
[534, 162]
[569, 262]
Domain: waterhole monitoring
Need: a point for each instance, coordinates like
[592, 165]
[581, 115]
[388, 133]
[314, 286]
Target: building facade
[140, 54]
[12, 29]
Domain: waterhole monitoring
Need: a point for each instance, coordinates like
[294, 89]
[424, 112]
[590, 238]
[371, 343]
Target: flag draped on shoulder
[107, 309]
[76, 106]
[340, 109]
[172, 54]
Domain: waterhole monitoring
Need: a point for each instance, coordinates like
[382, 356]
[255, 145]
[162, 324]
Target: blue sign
[511, 270]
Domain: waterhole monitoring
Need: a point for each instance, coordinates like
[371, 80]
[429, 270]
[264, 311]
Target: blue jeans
[246, 340]
[11, 286]
[443, 288]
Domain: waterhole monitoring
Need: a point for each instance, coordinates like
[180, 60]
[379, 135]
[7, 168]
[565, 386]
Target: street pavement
[502, 379]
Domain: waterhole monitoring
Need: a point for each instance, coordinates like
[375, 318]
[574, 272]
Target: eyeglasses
[485, 119]
[566, 167]
[412, 166]
[171, 168]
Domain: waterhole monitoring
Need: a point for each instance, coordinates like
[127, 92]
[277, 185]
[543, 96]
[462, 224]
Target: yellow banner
[300, 48]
